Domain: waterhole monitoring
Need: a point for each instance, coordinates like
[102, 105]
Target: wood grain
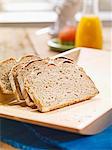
[39, 41]
[14, 43]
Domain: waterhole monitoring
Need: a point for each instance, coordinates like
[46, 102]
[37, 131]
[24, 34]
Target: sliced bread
[35, 65]
[25, 71]
[59, 86]
[15, 71]
[5, 68]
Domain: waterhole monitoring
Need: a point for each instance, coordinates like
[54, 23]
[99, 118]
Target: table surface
[20, 42]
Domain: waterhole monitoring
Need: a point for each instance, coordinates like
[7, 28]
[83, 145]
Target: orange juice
[89, 32]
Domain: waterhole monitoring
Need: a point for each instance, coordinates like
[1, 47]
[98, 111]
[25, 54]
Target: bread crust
[14, 82]
[2, 65]
[7, 60]
[24, 58]
[21, 79]
[14, 73]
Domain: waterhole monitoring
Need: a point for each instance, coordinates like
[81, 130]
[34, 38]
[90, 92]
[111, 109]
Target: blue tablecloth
[32, 137]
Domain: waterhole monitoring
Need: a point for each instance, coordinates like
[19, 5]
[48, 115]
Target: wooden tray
[89, 117]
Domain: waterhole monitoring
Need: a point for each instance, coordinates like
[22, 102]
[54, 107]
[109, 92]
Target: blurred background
[33, 15]
[10, 10]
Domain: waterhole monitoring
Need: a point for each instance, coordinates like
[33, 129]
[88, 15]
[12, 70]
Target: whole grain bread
[35, 65]
[57, 86]
[5, 68]
[15, 71]
[25, 71]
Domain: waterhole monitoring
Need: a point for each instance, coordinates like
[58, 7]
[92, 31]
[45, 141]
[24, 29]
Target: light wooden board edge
[44, 124]
[95, 127]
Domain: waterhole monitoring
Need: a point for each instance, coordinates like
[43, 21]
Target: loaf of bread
[5, 68]
[56, 86]
[15, 71]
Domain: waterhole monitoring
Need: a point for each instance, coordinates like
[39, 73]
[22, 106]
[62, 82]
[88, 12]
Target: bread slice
[35, 65]
[25, 71]
[15, 71]
[59, 86]
[5, 68]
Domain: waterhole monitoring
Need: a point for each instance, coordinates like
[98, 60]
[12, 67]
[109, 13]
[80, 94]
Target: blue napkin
[32, 137]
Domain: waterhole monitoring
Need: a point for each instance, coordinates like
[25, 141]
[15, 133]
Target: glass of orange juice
[89, 30]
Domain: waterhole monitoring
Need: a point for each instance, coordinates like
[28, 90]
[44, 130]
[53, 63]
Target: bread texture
[15, 71]
[5, 68]
[25, 71]
[57, 86]
[35, 65]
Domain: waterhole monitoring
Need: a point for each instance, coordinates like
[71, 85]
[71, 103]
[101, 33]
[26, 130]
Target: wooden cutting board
[15, 43]
[87, 117]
